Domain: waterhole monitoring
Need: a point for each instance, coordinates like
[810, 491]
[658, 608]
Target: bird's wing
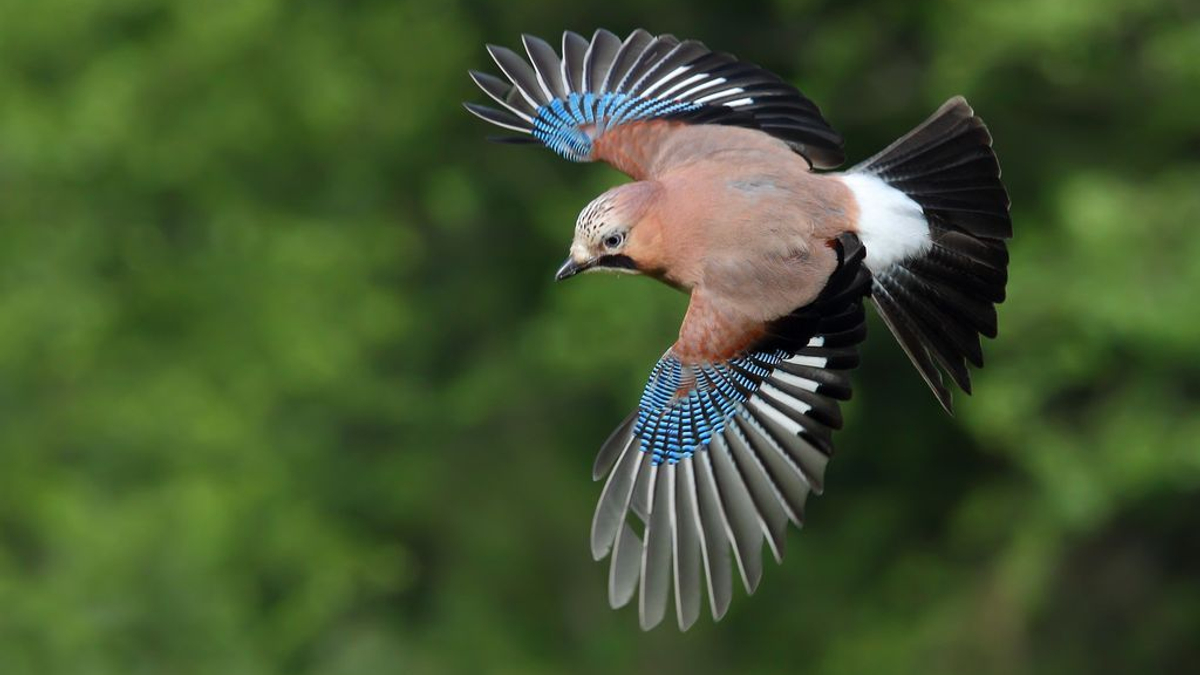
[568, 102]
[719, 456]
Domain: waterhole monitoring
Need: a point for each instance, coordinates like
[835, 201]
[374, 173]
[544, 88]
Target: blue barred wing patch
[684, 406]
[560, 124]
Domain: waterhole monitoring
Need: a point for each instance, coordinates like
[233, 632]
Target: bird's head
[606, 232]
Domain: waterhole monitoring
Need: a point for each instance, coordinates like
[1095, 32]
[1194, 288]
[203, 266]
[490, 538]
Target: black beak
[570, 268]
[614, 262]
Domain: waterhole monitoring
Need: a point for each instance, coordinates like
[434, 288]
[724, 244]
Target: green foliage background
[285, 386]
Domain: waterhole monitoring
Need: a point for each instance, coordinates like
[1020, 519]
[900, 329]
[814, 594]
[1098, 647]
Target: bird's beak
[570, 268]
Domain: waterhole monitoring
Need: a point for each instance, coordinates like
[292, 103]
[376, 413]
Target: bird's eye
[613, 240]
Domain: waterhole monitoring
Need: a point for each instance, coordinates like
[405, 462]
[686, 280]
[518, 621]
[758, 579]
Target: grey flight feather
[614, 500]
[546, 66]
[743, 520]
[685, 528]
[656, 556]
[718, 564]
[766, 499]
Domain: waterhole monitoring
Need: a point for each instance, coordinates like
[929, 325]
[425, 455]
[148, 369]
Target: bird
[735, 200]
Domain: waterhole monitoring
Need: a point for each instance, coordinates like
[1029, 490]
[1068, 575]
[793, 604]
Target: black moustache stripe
[617, 262]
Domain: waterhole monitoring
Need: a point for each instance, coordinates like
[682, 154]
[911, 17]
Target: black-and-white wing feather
[567, 101]
[712, 475]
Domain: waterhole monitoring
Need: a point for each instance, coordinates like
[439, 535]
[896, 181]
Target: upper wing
[569, 102]
[719, 456]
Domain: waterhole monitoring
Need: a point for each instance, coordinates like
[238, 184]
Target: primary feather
[569, 102]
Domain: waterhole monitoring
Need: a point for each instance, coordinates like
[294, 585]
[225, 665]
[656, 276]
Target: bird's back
[745, 221]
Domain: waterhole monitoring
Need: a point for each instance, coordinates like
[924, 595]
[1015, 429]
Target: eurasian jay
[733, 429]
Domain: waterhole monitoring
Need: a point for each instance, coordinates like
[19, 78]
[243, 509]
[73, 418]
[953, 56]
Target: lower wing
[708, 474]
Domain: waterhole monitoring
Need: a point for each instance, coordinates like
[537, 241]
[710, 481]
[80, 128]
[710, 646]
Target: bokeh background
[285, 386]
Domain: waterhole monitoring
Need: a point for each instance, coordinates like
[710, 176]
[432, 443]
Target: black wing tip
[945, 398]
[958, 105]
[477, 109]
[500, 118]
[478, 75]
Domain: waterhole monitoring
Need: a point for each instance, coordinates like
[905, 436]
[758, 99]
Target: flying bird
[734, 203]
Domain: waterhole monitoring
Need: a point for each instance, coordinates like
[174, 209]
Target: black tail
[939, 302]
